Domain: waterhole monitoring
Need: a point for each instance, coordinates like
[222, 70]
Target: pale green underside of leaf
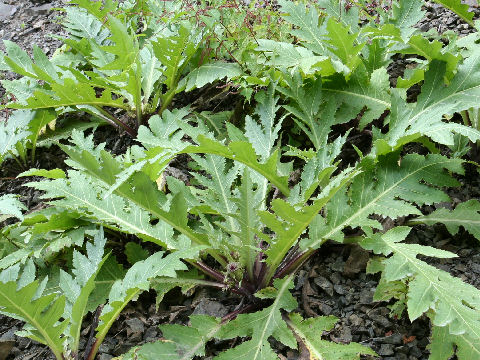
[209, 73]
[443, 345]
[79, 193]
[137, 279]
[465, 214]
[105, 169]
[42, 313]
[70, 93]
[244, 153]
[391, 193]
[453, 303]
[310, 331]
[10, 206]
[13, 131]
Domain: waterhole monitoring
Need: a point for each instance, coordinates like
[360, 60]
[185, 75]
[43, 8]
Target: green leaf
[218, 186]
[264, 134]
[43, 313]
[306, 27]
[79, 193]
[309, 332]
[410, 122]
[174, 53]
[419, 45]
[181, 342]
[11, 206]
[283, 55]
[136, 280]
[343, 44]
[444, 345]
[405, 15]
[18, 59]
[388, 189]
[81, 24]
[450, 302]
[289, 222]
[50, 174]
[77, 289]
[244, 153]
[208, 73]
[465, 214]
[13, 131]
[70, 93]
[261, 325]
[125, 48]
[369, 93]
[105, 168]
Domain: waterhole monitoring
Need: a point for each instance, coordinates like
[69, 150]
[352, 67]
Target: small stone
[338, 265]
[211, 308]
[39, 10]
[381, 320]
[395, 339]
[336, 278]
[415, 351]
[339, 289]
[38, 24]
[150, 334]
[6, 10]
[345, 335]
[355, 320]
[105, 357]
[325, 309]
[356, 262]
[324, 284]
[135, 325]
[366, 296]
[386, 349]
[5, 348]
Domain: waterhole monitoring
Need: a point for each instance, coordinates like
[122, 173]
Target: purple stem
[293, 264]
[220, 278]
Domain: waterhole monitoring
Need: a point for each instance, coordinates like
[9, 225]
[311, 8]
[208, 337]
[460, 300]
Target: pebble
[210, 307]
[386, 349]
[324, 284]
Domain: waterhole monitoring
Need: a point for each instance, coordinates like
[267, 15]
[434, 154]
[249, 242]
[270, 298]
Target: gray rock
[325, 309]
[151, 334]
[105, 357]
[366, 296]
[395, 339]
[324, 284]
[336, 278]
[6, 10]
[338, 265]
[39, 10]
[9, 335]
[415, 351]
[209, 307]
[5, 348]
[386, 350]
[339, 289]
[381, 320]
[355, 320]
[135, 325]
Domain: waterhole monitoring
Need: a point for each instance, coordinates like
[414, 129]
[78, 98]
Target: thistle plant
[255, 208]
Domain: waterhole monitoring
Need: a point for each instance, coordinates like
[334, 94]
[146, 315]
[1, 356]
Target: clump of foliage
[256, 206]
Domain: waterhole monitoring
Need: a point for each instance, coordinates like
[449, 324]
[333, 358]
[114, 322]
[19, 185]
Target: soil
[333, 282]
